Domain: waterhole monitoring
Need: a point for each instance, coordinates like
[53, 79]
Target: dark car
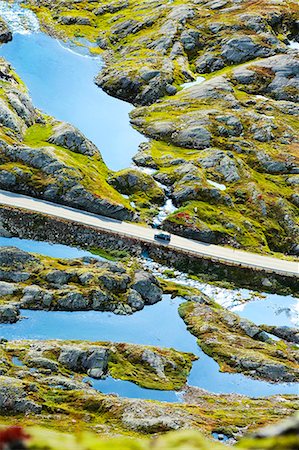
[165, 237]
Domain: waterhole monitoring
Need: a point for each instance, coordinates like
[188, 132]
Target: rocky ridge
[67, 363]
[231, 164]
[239, 345]
[51, 160]
[35, 282]
[152, 47]
[44, 382]
[224, 150]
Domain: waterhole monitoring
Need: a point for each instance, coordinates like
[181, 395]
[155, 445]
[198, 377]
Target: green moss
[141, 187]
[110, 255]
[126, 364]
[38, 134]
[222, 336]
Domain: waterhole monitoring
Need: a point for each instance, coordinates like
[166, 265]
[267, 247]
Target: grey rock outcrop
[35, 297]
[243, 48]
[73, 301]
[13, 398]
[93, 361]
[7, 288]
[67, 136]
[9, 314]
[12, 257]
[9, 118]
[147, 286]
[58, 277]
[5, 33]
[155, 361]
[135, 300]
[287, 333]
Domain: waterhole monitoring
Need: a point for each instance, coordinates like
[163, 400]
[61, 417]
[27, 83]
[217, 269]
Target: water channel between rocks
[60, 82]
[158, 325]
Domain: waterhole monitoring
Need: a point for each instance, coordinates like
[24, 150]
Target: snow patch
[219, 186]
[294, 45]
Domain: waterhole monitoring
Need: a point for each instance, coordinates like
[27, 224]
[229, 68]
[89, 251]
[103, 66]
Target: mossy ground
[90, 171]
[42, 438]
[222, 336]
[125, 362]
[254, 215]
[129, 50]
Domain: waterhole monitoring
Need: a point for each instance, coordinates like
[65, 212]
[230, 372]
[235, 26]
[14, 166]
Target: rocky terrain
[51, 160]
[283, 436]
[215, 85]
[30, 281]
[225, 149]
[152, 47]
[232, 155]
[65, 365]
[239, 345]
[45, 382]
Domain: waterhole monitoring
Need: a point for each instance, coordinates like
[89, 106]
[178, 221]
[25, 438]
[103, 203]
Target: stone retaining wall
[31, 225]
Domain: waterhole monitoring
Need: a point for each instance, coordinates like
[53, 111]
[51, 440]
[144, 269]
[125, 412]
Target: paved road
[147, 234]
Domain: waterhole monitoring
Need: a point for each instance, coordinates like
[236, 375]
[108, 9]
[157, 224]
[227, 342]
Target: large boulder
[244, 48]
[13, 398]
[96, 362]
[101, 301]
[23, 106]
[113, 282]
[155, 361]
[73, 301]
[148, 287]
[9, 118]
[35, 297]
[5, 33]
[9, 314]
[222, 162]
[135, 300]
[7, 288]
[67, 136]
[12, 257]
[131, 181]
[58, 277]
[71, 357]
